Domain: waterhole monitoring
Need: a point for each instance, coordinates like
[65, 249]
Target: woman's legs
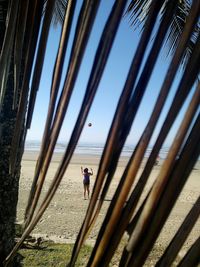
[86, 188]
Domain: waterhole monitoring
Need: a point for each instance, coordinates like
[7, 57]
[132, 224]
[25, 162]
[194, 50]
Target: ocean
[91, 149]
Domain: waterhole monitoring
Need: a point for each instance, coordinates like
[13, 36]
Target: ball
[89, 124]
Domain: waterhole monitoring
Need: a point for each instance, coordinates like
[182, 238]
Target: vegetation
[53, 255]
[138, 11]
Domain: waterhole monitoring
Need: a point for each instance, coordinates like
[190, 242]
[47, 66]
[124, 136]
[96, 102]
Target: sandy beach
[66, 212]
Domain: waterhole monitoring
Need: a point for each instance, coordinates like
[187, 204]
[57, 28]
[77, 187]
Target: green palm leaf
[138, 11]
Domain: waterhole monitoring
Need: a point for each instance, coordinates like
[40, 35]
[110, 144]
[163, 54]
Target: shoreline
[92, 159]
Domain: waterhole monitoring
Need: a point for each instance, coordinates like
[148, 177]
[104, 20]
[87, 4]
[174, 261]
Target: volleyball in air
[89, 124]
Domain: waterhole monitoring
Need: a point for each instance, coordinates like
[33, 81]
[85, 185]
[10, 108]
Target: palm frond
[172, 250]
[192, 256]
[138, 10]
[177, 27]
[59, 12]
[54, 92]
[133, 200]
[80, 41]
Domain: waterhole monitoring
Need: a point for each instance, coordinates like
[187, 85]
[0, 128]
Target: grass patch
[58, 255]
[53, 255]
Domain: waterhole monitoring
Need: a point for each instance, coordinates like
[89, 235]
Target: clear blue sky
[110, 88]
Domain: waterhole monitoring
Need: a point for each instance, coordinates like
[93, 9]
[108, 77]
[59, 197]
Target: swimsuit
[86, 179]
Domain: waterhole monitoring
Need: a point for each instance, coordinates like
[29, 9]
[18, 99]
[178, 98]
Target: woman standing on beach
[86, 180]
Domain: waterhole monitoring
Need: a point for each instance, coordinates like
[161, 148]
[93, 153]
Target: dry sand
[66, 212]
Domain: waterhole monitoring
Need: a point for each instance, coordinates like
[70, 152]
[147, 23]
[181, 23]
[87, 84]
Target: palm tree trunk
[9, 183]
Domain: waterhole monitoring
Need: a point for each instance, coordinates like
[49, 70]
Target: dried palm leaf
[175, 245]
[176, 105]
[40, 59]
[178, 177]
[113, 145]
[84, 25]
[130, 206]
[54, 92]
[127, 185]
[192, 256]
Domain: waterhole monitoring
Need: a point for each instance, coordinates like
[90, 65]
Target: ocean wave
[92, 149]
